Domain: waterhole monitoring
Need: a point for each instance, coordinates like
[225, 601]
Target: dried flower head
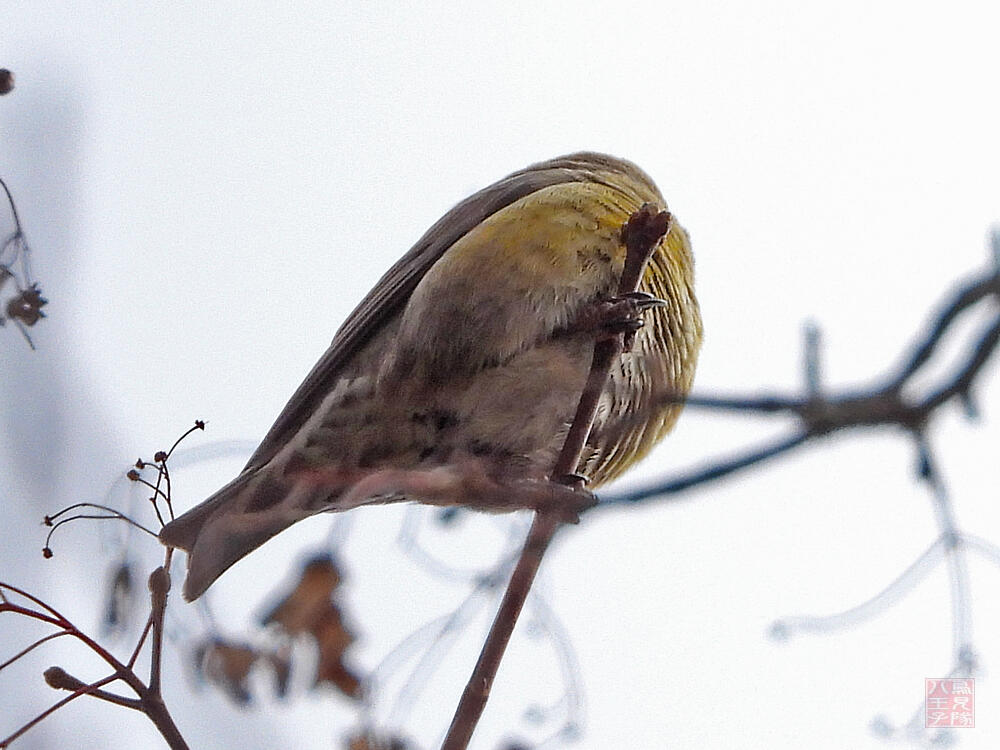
[26, 306]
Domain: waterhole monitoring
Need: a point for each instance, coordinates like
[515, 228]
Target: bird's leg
[606, 318]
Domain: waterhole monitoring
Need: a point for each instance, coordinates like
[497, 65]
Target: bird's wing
[393, 290]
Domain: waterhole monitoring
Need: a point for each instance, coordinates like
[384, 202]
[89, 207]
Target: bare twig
[58, 678]
[159, 585]
[149, 699]
[6, 741]
[641, 234]
[819, 414]
[28, 649]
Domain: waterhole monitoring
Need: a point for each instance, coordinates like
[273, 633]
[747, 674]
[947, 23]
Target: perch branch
[640, 234]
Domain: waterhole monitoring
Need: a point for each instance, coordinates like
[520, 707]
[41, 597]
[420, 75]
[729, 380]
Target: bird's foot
[566, 502]
[614, 316]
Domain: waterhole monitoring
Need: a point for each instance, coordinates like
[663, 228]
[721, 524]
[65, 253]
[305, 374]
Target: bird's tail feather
[183, 531]
[233, 522]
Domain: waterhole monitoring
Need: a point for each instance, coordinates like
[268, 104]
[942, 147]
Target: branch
[149, 699]
[58, 678]
[818, 415]
[641, 234]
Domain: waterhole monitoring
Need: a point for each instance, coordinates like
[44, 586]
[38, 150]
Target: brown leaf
[228, 665]
[332, 639]
[310, 601]
[309, 610]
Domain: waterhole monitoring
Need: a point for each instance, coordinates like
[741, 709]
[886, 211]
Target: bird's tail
[235, 521]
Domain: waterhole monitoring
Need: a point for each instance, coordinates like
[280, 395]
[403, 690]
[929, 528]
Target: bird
[455, 379]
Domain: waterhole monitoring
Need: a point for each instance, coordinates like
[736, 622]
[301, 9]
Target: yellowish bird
[455, 379]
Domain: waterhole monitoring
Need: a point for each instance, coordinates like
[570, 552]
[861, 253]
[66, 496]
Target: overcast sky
[209, 189]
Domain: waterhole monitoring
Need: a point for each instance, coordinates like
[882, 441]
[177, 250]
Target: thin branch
[643, 231]
[714, 470]
[199, 424]
[961, 382]
[142, 640]
[10, 607]
[159, 585]
[966, 296]
[811, 363]
[27, 650]
[572, 697]
[58, 678]
[819, 415]
[954, 554]
[157, 492]
[429, 633]
[35, 600]
[112, 514]
[901, 585]
[451, 626]
[5, 742]
[13, 208]
[149, 700]
[477, 690]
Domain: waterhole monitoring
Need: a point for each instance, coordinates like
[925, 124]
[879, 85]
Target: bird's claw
[616, 315]
[574, 480]
[566, 502]
[644, 301]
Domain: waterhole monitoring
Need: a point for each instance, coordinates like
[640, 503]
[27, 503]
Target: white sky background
[209, 189]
